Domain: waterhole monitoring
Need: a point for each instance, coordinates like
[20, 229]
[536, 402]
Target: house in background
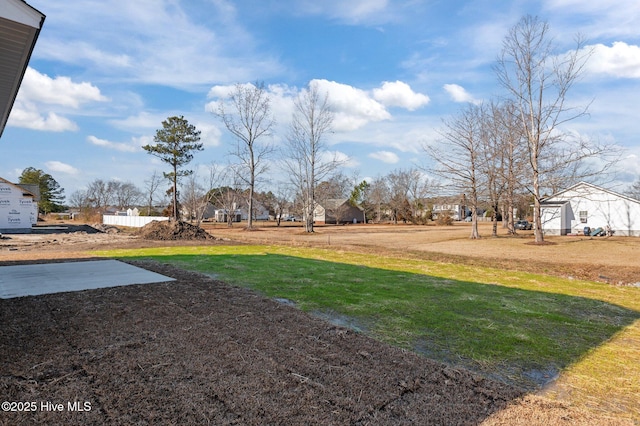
[337, 211]
[586, 205]
[455, 211]
[222, 215]
[18, 208]
[260, 212]
[239, 213]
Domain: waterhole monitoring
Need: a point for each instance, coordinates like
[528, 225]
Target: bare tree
[281, 200]
[101, 194]
[249, 121]
[303, 159]
[198, 193]
[151, 186]
[512, 143]
[502, 155]
[378, 196]
[338, 185]
[126, 194]
[634, 190]
[227, 194]
[539, 80]
[419, 187]
[399, 183]
[193, 199]
[78, 199]
[458, 159]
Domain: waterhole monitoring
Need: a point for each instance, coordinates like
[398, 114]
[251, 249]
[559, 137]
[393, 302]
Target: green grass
[523, 328]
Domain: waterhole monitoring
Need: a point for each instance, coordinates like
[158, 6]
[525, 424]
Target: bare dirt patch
[612, 260]
[75, 241]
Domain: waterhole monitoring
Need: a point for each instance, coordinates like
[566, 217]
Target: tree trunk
[175, 193]
[537, 217]
[252, 184]
[474, 224]
[494, 219]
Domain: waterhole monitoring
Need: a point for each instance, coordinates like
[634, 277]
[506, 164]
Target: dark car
[524, 225]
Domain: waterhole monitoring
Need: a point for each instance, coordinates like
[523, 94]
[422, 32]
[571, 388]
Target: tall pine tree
[175, 143]
[51, 194]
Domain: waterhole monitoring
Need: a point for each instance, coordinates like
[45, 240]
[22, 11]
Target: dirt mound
[173, 230]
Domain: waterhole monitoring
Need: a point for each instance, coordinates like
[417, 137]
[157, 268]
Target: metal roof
[20, 26]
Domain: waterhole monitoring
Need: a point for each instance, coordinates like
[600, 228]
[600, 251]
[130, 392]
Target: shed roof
[20, 26]
[586, 187]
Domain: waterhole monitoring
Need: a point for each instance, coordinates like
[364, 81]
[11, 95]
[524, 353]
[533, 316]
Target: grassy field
[522, 328]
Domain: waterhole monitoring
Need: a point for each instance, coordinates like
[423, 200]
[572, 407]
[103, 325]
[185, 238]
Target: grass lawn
[522, 328]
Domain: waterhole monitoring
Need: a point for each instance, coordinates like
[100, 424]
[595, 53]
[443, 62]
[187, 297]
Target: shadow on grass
[517, 336]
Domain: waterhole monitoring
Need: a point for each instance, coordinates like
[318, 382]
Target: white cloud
[459, 94]
[148, 123]
[59, 167]
[28, 117]
[223, 91]
[41, 88]
[400, 94]
[164, 42]
[340, 157]
[620, 60]
[353, 11]
[210, 135]
[599, 18]
[282, 99]
[40, 92]
[628, 167]
[143, 120]
[353, 108]
[118, 146]
[385, 156]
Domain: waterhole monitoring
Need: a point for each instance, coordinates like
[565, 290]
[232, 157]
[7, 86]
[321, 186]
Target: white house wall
[603, 208]
[17, 212]
[552, 220]
[131, 221]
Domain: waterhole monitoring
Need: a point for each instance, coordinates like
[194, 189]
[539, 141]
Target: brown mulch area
[198, 351]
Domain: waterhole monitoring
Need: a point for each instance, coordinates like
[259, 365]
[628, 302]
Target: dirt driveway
[197, 351]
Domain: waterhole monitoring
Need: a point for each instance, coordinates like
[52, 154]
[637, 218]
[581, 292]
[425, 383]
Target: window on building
[583, 216]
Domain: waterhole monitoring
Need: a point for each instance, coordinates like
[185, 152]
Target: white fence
[132, 221]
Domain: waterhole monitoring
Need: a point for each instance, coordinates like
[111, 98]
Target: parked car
[524, 225]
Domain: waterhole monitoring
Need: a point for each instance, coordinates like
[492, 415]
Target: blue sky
[106, 73]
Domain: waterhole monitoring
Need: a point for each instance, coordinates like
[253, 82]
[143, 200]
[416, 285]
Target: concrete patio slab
[33, 280]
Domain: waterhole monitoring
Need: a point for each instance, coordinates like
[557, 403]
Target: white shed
[586, 205]
[18, 208]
